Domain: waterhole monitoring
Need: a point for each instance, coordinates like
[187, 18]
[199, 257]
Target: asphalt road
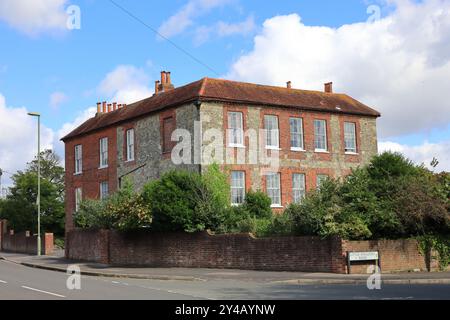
[23, 283]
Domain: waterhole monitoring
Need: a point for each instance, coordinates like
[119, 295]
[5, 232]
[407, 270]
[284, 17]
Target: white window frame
[78, 198]
[272, 132]
[298, 187]
[273, 189]
[78, 159]
[103, 194]
[103, 152]
[297, 134]
[350, 138]
[130, 144]
[321, 135]
[235, 129]
[320, 178]
[238, 186]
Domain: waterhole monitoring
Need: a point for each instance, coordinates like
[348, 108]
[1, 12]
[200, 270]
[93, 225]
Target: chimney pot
[99, 107]
[104, 106]
[157, 86]
[169, 81]
[109, 107]
[289, 84]
[329, 87]
[115, 106]
[163, 77]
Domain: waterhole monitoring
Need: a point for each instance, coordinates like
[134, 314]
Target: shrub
[92, 215]
[258, 204]
[182, 201]
[321, 213]
[125, 210]
[281, 225]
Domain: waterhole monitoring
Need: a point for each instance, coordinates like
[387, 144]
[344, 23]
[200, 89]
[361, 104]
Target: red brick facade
[91, 176]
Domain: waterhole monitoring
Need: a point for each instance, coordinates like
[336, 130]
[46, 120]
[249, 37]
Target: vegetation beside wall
[390, 198]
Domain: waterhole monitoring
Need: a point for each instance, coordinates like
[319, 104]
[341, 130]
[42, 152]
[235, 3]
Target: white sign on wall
[363, 256]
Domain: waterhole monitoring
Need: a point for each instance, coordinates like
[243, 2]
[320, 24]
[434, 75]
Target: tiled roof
[208, 89]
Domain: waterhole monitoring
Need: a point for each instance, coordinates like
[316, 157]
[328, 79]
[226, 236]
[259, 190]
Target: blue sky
[62, 73]
[76, 62]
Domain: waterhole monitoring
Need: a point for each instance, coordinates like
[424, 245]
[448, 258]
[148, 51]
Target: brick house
[313, 134]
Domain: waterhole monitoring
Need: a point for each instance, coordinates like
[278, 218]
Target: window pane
[78, 199]
[273, 188]
[350, 136]
[130, 145]
[104, 190]
[235, 127]
[237, 187]
[320, 179]
[298, 187]
[104, 152]
[320, 134]
[78, 159]
[296, 132]
[272, 133]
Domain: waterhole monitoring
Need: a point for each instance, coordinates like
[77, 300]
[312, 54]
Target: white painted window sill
[298, 150]
[240, 146]
[352, 153]
[105, 167]
[129, 160]
[273, 148]
[276, 206]
[321, 151]
[236, 204]
[78, 173]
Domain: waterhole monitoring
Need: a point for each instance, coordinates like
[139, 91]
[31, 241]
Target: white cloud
[423, 153]
[400, 64]
[33, 17]
[56, 99]
[225, 29]
[185, 17]
[125, 84]
[18, 141]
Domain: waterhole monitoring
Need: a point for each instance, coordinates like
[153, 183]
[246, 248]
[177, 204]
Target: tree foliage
[20, 207]
[390, 198]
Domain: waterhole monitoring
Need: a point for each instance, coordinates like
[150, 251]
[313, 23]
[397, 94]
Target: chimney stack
[166, 83]
[163, 77]
[289, 84]
[329, 87]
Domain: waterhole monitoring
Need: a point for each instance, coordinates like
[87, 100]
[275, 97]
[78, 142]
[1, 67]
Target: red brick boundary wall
[239, 251]
[203, 250]
[24, 242]
[395, 255]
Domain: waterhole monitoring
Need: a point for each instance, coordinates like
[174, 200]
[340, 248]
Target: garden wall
[203, 250]
[239, 251]
[24, 242]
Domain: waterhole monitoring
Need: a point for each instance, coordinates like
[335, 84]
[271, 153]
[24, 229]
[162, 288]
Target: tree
[20, 208]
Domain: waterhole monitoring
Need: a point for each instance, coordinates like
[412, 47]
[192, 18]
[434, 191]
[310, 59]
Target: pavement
[20, 282]
[60, 264]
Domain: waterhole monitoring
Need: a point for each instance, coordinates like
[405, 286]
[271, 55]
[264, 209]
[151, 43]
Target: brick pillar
[1, 234]
[337, 246]
[3, 226]
[48, 244]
